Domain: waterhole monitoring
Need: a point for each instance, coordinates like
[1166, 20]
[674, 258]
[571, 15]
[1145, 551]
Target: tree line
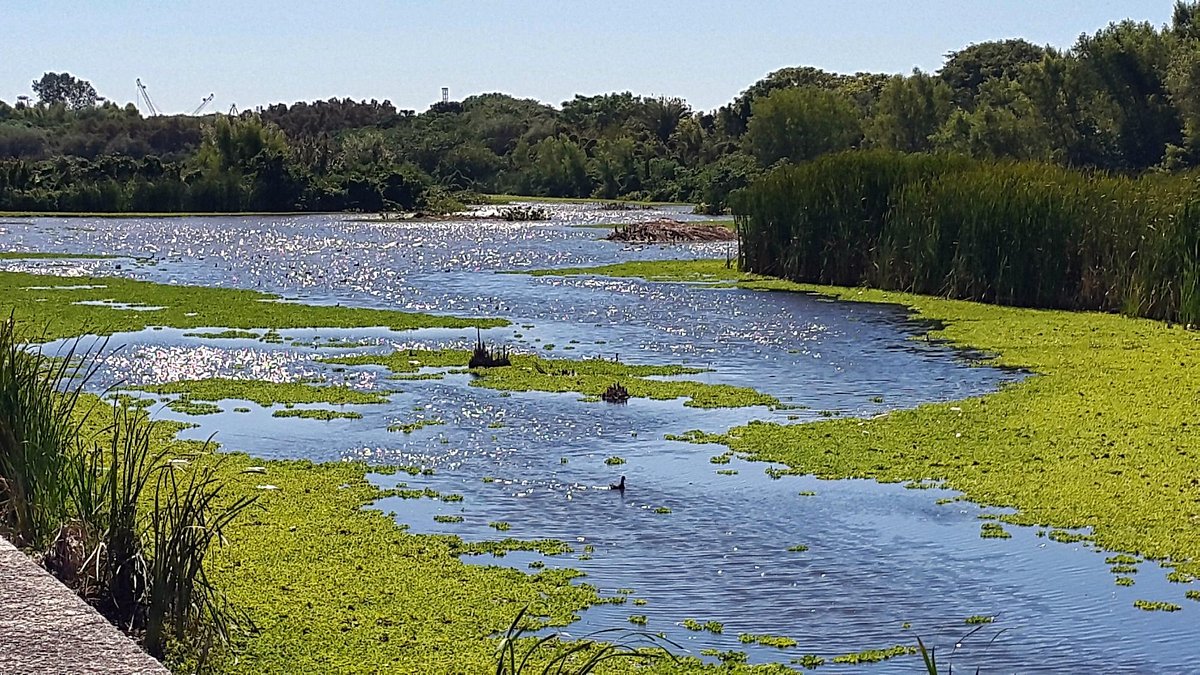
[1125, 100]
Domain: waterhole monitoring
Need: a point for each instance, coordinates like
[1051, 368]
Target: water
[880, 556]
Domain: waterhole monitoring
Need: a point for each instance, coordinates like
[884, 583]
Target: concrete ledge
[46, 629]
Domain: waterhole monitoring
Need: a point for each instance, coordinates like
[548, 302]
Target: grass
[54, 302]
[1102, 437]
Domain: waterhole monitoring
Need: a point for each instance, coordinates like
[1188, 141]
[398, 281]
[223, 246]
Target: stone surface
[46, 629]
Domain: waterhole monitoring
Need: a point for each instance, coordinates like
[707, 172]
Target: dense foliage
[1018, 233]
[1124, 99]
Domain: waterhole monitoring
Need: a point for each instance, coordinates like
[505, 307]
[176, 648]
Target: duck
[618, 486]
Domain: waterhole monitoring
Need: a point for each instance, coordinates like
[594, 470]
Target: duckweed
[993, 531]
[777, 641]
[875, 655]
[589, 377]
[38, 298]
[1098, 437]
[186, 406]
[265, 393]
[1156, 606]
[317, 414]
[410, 427]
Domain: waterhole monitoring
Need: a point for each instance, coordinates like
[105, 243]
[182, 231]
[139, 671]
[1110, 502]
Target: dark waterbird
[618, 486]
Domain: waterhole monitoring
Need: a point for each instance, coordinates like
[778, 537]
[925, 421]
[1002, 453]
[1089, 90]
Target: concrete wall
[48, 630]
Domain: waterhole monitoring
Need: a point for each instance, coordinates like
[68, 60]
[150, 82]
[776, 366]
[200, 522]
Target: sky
[257, 52]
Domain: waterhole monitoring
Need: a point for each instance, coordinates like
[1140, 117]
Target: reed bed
[1015, 233]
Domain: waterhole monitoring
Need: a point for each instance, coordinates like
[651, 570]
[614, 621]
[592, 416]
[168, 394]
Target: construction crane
[203, 104]
[146, 98]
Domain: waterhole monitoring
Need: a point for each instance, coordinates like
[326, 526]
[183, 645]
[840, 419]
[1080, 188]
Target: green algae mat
[59, 307]
[1105, 434]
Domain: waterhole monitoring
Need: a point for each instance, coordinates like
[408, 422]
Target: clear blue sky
[253, 52]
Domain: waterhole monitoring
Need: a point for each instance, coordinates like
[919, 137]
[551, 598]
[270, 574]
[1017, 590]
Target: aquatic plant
[186, 406]
[777, 641]
[692, 624]
[725, 657]
[638, 619]
[614, 461]
[1192, 595]
[1178, 577]
[809, 661]
[500, 525]
[727, 472]
[979, 619]
[265, 393]
[1123, 569]
[447, 519]
[550, 654]
[410, 427]
[318, 414]
[876, 655]
[662, 510]
[1156, 606]
[1124, 581]
[993, 531]
[807, 493]
[798, 548]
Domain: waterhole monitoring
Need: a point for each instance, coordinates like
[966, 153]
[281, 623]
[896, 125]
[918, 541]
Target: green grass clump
[1097, 438]
[979, 619]
[317, 414]
[1156, 606]
[55, 313]
[265, 393]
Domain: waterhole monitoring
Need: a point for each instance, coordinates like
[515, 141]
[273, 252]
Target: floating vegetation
[230, 334]
[726, 657]
[875, 655]
[1156, 606]
[638, 619]
[1192, 595]
[614, 460]
[1123, 569]
[993, 531]
[265, 393]
[1178, 577]
[1124, 581]
[722, 458]
[662, 510]
[692, 624]
[241, 409]
[798, 548]
[495, 425]
[536, 565]
[500, 526]
[979, 619]
[639, 601]
[189, 307]
[777, 641]
[589, 377]
[186, 406]
[447, 519]
[1066, 537]
[317, 414]
[1121, 559]
[410, 427]
[809, 661]
[807, 493]
[727, 472]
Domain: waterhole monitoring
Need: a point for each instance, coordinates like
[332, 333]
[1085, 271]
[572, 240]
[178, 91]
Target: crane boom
[203, 104]
[146, 97]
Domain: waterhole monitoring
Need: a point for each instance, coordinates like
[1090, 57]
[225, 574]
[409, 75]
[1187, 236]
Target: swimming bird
[618, 486]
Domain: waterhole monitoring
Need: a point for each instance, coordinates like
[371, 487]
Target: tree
[967, 69]
[801, 124]
[64, 88]
[909, 111]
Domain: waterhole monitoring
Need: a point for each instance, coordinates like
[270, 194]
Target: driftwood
[616, 393]
[487, 358]
[666, 230]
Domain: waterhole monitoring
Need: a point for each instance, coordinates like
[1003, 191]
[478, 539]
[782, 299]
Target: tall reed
[1020, 233]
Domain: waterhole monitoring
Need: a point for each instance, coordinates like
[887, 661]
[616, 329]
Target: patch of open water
[879, 556]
